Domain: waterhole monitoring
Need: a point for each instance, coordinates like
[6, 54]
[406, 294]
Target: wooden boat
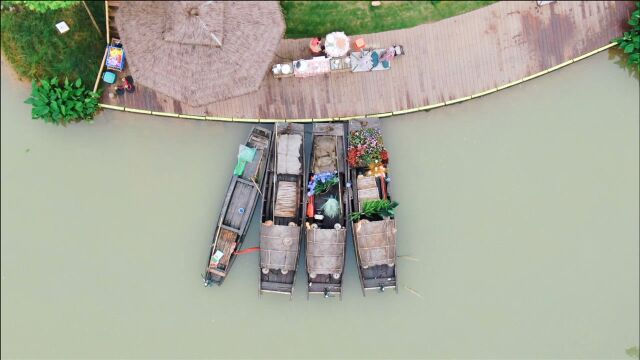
[326, 231]
[238, 207]
[283, 210]
[374, 236]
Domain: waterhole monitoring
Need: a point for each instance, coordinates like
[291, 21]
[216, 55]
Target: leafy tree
[62, 103]
[630, 40]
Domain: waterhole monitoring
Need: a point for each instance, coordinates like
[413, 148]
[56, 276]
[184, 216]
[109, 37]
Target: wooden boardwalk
[450, 59]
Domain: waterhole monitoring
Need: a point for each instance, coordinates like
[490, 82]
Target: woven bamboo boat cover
[325, 251]
[279, 246]
[289, 154]
[376, 242]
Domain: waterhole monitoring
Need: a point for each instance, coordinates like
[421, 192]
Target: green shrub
[630, 40]
[62, 103]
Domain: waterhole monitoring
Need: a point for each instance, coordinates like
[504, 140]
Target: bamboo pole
[95, 24]
[106, 20]
[104, 58]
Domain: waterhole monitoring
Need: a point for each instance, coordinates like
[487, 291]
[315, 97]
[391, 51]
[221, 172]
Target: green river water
[519, 212]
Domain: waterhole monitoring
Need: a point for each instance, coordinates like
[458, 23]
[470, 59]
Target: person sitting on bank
[315, 45]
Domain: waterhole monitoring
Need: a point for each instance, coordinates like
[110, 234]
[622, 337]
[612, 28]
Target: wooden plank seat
[276, 287]
[279, 245]
[371, 284]
[241, 198]
[376, 241]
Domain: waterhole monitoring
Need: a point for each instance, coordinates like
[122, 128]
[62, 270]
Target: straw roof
[199, 52]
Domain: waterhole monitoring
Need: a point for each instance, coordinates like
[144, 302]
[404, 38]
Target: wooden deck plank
[450, 59]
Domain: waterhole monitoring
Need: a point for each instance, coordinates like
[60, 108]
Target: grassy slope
[32, 44]
[318, 18]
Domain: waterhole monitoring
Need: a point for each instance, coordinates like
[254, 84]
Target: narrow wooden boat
[239, 205]
[283, 212]
[373, 227]
[326, 231]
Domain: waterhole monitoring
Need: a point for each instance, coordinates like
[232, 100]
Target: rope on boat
[256, 185]
[247, 250]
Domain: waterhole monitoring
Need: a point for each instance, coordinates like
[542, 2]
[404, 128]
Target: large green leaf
[629, 48]
[62, 103]
[41, 110]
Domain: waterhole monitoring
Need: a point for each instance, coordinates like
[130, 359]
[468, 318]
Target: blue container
[109, 77]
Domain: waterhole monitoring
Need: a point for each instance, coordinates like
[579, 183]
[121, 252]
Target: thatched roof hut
[200, 52]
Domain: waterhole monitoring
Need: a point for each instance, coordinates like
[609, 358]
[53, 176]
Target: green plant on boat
[322, 182]
[62, 103]
[324, 186]
[331, 208]
[629, 42]
[375, 208]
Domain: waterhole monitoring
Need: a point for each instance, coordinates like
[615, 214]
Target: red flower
[352, 157]
[384, 155]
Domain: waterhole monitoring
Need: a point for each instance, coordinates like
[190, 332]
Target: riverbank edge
[347, 118]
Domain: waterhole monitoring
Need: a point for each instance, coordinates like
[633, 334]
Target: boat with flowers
[372, 211]
[283, 210]
[238, 206]
[326, 222]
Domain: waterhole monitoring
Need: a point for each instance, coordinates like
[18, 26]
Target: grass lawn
[32, 44]
[318, 18]
[34, 47]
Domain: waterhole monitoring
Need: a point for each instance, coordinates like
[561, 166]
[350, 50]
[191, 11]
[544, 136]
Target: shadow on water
[620, 59]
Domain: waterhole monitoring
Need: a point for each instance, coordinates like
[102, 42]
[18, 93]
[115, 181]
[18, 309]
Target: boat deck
[447, 60]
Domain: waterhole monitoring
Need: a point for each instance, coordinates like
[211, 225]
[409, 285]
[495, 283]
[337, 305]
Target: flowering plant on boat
[366, 147]
[322, 182]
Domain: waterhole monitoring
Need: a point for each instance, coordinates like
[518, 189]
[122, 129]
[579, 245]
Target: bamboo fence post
[95, 24]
